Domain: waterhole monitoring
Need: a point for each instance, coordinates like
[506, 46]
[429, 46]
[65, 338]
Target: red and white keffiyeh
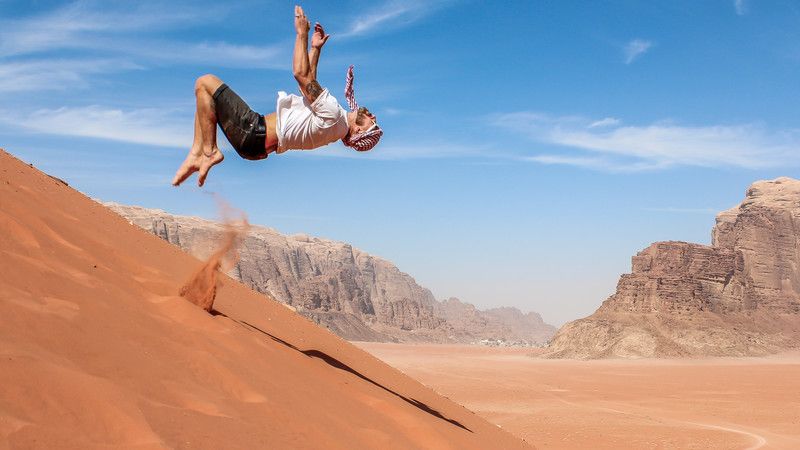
[361, 141]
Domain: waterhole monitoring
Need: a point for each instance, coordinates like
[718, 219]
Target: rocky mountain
[356, 295]
[738, 296]
[497, 324]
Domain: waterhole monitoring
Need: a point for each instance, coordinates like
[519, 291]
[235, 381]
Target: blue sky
[530, 148]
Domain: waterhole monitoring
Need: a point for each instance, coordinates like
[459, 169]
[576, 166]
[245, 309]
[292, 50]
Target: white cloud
[741, 7]
[594, 163]
[80, 28]
[389, 111]
[654, 146]
[155, 127]
[394, 152]
[636, 48]
[219, 54]
[607, 122]
[391, 15]
[367, 22]
[55, 75]
[579, 161]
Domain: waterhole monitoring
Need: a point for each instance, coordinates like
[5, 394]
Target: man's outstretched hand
[301, 24]
[319, 38]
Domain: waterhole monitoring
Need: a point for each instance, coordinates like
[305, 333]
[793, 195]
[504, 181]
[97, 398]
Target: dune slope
[97, 349]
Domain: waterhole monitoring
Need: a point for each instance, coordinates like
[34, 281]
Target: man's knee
[207, 83]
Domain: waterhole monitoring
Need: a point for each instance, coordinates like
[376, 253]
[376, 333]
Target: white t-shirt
[303, 125]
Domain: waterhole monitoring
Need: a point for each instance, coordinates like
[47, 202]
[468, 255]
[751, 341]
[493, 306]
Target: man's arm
[318, 39]
[302, 67]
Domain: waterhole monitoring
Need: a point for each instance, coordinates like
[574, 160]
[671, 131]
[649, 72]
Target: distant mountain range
[354, 294]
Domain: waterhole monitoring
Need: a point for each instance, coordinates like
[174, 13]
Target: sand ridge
[98, 350]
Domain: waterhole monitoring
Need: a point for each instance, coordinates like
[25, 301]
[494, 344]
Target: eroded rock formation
[354, 294]
[505, 324]
[738, 296]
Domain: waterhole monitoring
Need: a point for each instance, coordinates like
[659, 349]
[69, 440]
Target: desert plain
[721, 403]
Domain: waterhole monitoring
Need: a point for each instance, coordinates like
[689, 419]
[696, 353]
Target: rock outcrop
[739, 296]
[354, 294]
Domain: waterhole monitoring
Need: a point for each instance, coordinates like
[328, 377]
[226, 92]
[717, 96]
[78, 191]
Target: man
[306, 122]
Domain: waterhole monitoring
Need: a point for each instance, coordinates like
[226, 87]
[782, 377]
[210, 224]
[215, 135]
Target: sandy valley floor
[743, 403]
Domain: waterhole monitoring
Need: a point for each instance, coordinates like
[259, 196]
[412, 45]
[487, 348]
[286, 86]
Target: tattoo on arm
[313, 89]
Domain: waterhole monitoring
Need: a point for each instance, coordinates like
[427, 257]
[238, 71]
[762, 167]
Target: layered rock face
[356, 295]
[739, 296]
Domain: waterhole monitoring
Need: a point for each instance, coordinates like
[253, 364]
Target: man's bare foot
[197, 161]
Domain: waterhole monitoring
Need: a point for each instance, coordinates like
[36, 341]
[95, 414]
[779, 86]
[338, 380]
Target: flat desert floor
[737, 403]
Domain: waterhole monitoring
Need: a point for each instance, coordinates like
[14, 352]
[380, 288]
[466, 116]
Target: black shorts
[244, 128]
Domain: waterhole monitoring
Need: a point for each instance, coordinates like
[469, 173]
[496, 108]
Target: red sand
[97, 350]
[730, 403]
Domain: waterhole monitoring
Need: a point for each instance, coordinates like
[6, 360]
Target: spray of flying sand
[201, 289]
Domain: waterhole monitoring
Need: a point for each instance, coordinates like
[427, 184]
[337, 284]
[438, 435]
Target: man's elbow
[302, 78]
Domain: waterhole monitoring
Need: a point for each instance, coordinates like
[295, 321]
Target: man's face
[364, 121]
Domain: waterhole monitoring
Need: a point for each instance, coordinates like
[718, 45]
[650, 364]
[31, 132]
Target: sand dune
[724, 403]
[98, 350]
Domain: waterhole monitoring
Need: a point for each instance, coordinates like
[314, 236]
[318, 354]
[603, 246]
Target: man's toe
[182, 174]
[201, 177]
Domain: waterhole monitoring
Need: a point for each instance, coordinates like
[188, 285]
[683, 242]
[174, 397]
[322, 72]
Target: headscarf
[361, 141]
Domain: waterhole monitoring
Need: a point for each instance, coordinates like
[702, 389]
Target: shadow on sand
[333, 362]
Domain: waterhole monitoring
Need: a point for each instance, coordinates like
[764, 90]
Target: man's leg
[204, 153]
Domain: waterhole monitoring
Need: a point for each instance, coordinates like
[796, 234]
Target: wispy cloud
[400, 151]
[392, 15]
[78, 25]
[593, 163]
[156, 127]
[606, 122]
[578, 161]
[56, 74]
[655, 146]
[217, 54]
[741, 7]
[635, 48]
[118, 33]
[389, 111]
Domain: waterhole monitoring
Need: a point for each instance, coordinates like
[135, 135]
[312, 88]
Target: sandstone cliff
[738, 296]
[356, 295]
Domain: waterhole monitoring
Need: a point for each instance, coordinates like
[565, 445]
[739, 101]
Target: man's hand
[301, 24]
[319, 38]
